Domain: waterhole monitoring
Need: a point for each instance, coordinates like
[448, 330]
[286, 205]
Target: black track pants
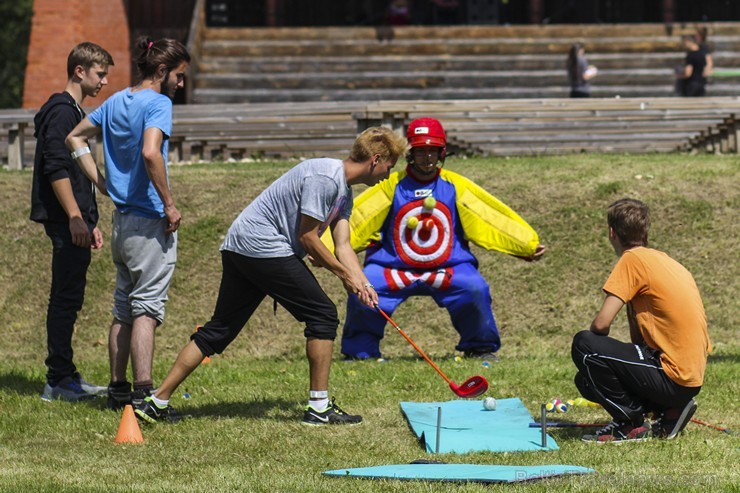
[627, 379]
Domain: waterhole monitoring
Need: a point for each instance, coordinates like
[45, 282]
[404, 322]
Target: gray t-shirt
[269, 226]
[577, 82]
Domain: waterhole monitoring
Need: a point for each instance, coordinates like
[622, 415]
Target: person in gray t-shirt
[262, 255]
[579, 72]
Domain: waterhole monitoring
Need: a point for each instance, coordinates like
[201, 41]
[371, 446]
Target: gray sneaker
[89, 387]
[68, 389]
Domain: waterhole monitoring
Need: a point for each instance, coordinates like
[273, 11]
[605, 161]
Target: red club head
[470, 388]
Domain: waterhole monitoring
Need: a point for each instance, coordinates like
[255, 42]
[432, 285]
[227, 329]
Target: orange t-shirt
[668, 309]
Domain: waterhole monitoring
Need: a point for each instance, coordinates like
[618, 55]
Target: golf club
[564, 424]
[714, 427]
[561, 424]
[472, 387]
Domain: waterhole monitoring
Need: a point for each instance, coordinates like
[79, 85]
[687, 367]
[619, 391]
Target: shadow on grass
[723, 358]
[272, 409]
[21, 384]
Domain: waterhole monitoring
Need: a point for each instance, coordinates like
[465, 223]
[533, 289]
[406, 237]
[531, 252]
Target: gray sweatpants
[145, 258]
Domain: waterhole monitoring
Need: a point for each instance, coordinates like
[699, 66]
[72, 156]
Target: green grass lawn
[245, 433]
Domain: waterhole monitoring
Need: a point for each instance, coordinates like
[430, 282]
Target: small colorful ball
[550, 407]
[412, 222]
[561, 407]
[489, 404]
[458, 358]
[428, 224]
[430, 202]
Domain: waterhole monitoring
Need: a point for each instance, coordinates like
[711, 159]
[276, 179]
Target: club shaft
[556, 424]
[413, 344]
[718, 428]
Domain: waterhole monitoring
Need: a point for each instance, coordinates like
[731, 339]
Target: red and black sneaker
[673, 421]
[616, 432]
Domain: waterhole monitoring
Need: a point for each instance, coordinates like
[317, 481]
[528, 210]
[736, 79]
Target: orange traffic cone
[128, 430]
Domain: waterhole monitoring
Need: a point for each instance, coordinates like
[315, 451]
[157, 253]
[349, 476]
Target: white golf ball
[489, 404]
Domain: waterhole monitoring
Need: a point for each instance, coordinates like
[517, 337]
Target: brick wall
[57, 26]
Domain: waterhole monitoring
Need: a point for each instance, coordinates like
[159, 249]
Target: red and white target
[429, 242]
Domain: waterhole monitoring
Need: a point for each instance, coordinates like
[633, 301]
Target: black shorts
[246, 281]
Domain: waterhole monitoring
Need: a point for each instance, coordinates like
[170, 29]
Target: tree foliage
[14, 38]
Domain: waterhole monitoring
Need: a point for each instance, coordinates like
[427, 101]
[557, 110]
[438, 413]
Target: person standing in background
[136, 124]
[63, 200]
[579, 72]
[691, 79]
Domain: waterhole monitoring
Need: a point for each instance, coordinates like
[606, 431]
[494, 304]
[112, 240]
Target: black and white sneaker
[147, 410]
[332, 415]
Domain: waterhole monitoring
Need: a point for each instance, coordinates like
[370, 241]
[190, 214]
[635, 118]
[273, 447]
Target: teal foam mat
[460, 472]
[467, 427]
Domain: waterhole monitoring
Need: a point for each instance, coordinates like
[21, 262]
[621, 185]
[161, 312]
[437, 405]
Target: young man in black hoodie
[63, 200]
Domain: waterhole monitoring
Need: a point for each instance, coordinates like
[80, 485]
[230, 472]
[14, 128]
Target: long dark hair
[572, 63]
[167, 52]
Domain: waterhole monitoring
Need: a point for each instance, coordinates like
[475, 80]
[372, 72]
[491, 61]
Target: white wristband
[80, 152]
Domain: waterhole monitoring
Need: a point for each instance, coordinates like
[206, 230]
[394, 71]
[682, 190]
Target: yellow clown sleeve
[369, 211]
[488, 222]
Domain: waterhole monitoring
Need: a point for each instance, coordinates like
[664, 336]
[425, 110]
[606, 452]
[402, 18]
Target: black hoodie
[54, 121]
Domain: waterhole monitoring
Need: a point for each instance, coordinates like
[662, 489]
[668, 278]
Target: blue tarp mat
[467, 427]
[460, 472]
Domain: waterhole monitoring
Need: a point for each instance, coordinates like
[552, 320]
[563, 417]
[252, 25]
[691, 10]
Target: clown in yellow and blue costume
[416, 228]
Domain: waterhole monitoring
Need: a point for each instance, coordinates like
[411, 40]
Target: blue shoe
[67, 389]
[359, 356]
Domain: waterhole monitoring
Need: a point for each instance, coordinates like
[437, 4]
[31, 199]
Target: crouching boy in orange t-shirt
[662, 369]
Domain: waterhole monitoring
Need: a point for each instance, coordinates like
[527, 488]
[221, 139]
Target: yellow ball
[550, 406]
[430, 202]
[412, 222]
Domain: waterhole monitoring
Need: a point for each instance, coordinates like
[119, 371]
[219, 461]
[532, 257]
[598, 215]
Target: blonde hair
[383, 141]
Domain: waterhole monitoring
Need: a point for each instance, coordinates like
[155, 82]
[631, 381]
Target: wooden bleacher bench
[481, 127]
[17, 125]
[448, 62]
[499, 127]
